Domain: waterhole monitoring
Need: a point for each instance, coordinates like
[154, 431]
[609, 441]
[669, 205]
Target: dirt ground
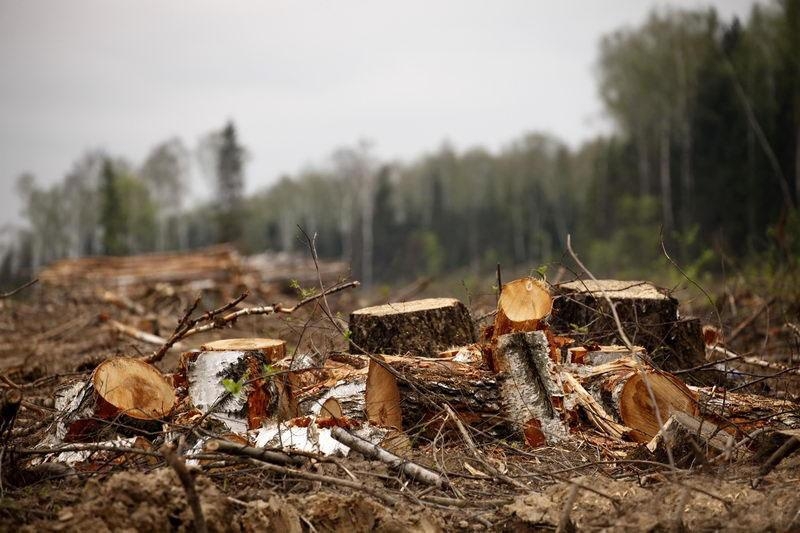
[51, 337]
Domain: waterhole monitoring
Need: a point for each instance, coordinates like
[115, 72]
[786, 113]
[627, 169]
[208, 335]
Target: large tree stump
[627, 388]
[523, 304]
[528, 386]
[420, 327]
[124, 394]
[231, 379]
[649, 317]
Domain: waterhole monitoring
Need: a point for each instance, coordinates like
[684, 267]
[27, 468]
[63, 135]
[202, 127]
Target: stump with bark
[124, 394]
[232, 380]
[528, 386]
[420, 327]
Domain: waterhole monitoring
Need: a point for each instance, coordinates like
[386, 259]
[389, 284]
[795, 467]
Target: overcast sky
[299, 78]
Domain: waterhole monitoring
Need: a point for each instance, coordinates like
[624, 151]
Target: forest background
[704, 157]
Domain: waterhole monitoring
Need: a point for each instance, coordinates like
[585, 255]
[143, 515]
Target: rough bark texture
[687, 441]
[529, 387]
[626, 388]
[420, 327]
[684, 347]
[649, 317]
[124, 395]
[210, 375]
[473, 393]
[346, 395]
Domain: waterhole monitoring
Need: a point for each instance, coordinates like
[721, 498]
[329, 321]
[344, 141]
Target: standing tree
[165, 173]
[112, 214]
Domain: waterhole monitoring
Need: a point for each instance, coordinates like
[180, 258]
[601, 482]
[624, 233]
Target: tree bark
[420, 327]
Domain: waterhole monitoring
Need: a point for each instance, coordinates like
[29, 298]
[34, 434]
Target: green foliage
[233, 387]
[302, 292]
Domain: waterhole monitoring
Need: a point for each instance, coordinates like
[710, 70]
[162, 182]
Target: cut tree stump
[627, 388]
[528, 386]
[229, 379]
[688, 440]
[125, 394]
[645, 311]
[523, 304]
[420, 327]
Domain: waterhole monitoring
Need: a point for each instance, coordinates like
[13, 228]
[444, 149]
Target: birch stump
[230, 379]
[529, 387]
[420, 327]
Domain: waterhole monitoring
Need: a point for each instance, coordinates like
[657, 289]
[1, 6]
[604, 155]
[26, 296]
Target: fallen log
[123, 393]
[523, 304]
[427, 384]
[529, 388]
[419, 327]
[640, 397]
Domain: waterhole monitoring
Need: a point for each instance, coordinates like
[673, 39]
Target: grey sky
[298, 78]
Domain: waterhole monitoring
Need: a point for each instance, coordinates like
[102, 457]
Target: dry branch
[187, 480]
[373, 451]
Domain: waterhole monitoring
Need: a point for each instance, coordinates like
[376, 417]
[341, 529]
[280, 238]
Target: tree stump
[528, 386]
[230, 379]
[523, 304]
[647, 313]
[124, 394]
[627, 388]
[420, 327]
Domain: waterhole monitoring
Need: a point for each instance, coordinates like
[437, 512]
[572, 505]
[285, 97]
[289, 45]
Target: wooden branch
[260, 454]
[749, 320]
[187, 480]
[373, 451]
[140, 335]
[12, 292]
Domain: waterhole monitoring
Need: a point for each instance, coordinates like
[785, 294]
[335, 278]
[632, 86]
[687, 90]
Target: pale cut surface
[247, 344]
[407, 307]
[636, 406]
[383, 397]
[135, 388]
[615, 288]
[525, 299]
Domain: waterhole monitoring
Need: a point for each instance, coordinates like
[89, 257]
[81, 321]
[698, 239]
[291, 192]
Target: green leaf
[233, 387]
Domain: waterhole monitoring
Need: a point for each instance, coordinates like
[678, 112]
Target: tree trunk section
[627, 389]
[420, 327]
[528, 386]
[523, 304]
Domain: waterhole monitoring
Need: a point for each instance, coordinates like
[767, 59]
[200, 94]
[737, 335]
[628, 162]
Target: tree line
[705, 154]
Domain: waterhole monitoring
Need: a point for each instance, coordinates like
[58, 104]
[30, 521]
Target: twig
[373, 451]
[324, 479]
[791, 445]
[12, 292]
[623, 337]
[749, 320]
[240, 450]
[139, 335]
[187, 480]
[158, 355]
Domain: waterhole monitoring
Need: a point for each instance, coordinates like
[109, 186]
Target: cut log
[420, 327]
[383, 397]
[628, 388]
[472, 392]
[528, 386]
[742, 413]
[344, 399]
[305, 435]
[125, 394]
[236, 386]
[686, 440]
[523, 304]
[645, 311]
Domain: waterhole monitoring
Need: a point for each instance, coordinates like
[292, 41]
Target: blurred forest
[706, 151]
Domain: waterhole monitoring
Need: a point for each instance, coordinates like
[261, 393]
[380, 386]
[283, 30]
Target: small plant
[234, 388]
[267, 370]
[302, 291]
